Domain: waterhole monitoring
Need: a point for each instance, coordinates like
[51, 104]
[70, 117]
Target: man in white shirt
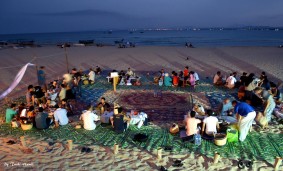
[89, 119]
[230, 82]
[196, 77]
[60, 116]
[210, 124]
[130, 72]
[91, 76]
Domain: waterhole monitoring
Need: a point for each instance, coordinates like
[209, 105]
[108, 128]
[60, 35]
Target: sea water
[198, 38]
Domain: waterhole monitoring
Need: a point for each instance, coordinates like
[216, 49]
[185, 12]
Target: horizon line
[158, 29]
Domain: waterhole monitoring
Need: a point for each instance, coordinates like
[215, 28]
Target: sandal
[11, 142]
[177, 163]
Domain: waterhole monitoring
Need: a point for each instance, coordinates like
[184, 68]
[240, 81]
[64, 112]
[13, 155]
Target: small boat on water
[26, 43]
[3, 43]
[86, 42]
[119, 41]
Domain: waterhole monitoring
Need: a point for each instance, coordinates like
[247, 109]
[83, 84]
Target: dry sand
[39, 155]
[205, 61]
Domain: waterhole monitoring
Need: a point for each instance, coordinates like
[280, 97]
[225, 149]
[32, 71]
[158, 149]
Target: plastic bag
[232, 135]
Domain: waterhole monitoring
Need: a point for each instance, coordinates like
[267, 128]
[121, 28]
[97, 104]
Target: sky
[37, 16]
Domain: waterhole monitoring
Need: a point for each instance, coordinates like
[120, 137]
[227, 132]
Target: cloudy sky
[32, 16]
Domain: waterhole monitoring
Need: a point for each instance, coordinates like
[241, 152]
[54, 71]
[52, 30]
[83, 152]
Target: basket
[220, 139]
[174, 129]
[26, 126]
[85, 82]
[78, 127]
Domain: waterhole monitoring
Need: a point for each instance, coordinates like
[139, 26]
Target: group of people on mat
[207, 123]
[177, 79]
[259, 98]
[53, 103]
[258, 92]
[125, 78]
[58, 115]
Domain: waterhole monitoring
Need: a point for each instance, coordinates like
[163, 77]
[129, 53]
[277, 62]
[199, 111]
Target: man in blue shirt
[245, 115]
[41, 76]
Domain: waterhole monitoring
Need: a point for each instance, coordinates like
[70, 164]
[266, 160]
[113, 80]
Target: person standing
[245, 115]
[41, 76]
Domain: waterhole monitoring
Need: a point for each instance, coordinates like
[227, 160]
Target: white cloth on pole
[16, 81]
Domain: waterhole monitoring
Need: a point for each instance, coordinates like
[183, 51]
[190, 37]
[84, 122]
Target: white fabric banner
[16, 81]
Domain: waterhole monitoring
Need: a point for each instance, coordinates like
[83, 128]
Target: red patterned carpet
[170, 106]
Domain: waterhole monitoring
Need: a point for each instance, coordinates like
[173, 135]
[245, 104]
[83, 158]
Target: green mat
[258, 146]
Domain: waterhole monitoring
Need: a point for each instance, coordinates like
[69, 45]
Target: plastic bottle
[197, 139]
[160, 82]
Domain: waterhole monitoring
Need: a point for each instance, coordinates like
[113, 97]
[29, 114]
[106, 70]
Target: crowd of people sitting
[181, 79]
[125, 78]
[259, 99]
[50, 103]
[208, 122]
[177, 79]
[53, 105]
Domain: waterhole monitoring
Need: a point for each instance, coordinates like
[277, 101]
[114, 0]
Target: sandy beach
[40, 155]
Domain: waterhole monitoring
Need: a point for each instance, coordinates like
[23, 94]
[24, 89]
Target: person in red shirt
[186, 75]
[175, 79]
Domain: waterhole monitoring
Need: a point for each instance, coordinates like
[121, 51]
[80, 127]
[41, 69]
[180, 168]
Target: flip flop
[86, 150]
[83, 150]
[168, 148]
[51, 143]
[49, 150]
[177, 163]
[162, 168]
[11, 142]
